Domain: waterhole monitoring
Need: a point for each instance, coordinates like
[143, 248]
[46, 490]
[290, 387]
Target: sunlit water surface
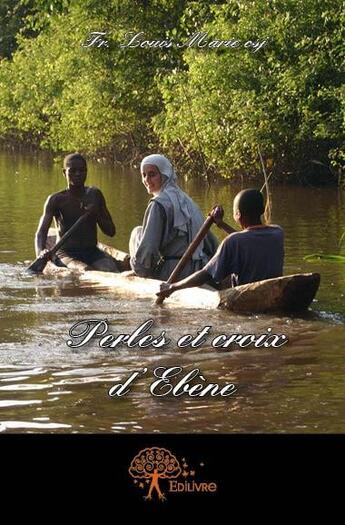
[45, 386]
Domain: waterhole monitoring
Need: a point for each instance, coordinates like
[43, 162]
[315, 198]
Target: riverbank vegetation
[338, 258]
[210, 108]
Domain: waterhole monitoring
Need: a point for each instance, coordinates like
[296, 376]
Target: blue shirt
[250, 255]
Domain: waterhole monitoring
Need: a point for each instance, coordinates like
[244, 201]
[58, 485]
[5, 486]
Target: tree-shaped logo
[153, 464]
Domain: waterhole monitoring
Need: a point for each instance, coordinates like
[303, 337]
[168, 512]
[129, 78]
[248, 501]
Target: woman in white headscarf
[170, 223]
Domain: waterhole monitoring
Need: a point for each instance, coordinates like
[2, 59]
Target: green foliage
[327, 257]
[221, 104]
[67, 96]
[321, 257]
[13, 15]
[25, 18]
[287, 99]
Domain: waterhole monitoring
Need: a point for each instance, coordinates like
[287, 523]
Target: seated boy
[254, 254]
[80, 251]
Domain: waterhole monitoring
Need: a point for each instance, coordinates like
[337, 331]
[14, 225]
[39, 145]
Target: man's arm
[104, 220]
[43, 226]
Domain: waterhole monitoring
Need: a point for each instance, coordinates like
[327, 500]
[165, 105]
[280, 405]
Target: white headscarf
[186, 213]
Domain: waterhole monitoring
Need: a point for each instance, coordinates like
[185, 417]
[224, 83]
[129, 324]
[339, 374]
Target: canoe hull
[291, 293]
[287, 294]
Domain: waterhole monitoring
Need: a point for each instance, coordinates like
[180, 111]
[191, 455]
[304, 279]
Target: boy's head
[75, 169]
[249, 205]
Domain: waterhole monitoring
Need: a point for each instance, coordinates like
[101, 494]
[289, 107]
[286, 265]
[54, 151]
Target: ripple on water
[17, 372]
[41, 375]
[24, 386]
[15, 402]
[30, 425]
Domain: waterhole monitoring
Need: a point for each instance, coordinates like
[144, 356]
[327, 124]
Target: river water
[45, 386]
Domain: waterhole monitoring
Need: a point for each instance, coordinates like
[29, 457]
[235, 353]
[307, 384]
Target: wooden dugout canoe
[287, 294]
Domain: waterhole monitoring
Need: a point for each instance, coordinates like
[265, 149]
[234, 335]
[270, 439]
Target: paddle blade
[39, 264]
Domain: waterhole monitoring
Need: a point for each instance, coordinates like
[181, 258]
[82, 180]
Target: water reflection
[47, 387]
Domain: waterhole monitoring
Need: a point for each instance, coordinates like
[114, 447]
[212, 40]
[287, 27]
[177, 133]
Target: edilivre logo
[156, 469]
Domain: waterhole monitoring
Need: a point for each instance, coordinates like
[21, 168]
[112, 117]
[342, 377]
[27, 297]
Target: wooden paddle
[188, 253]
[40, 263]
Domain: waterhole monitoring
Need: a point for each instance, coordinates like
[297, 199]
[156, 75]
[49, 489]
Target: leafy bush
[218, 104]
[287, 99]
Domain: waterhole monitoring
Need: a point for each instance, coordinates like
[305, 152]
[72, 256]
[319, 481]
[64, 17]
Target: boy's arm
[43, 226]
[196, 279]
[226, 227]
[104, 220]
[217, 269]
[218, 213]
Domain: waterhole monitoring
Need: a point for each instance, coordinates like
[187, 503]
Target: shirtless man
[80, 251]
